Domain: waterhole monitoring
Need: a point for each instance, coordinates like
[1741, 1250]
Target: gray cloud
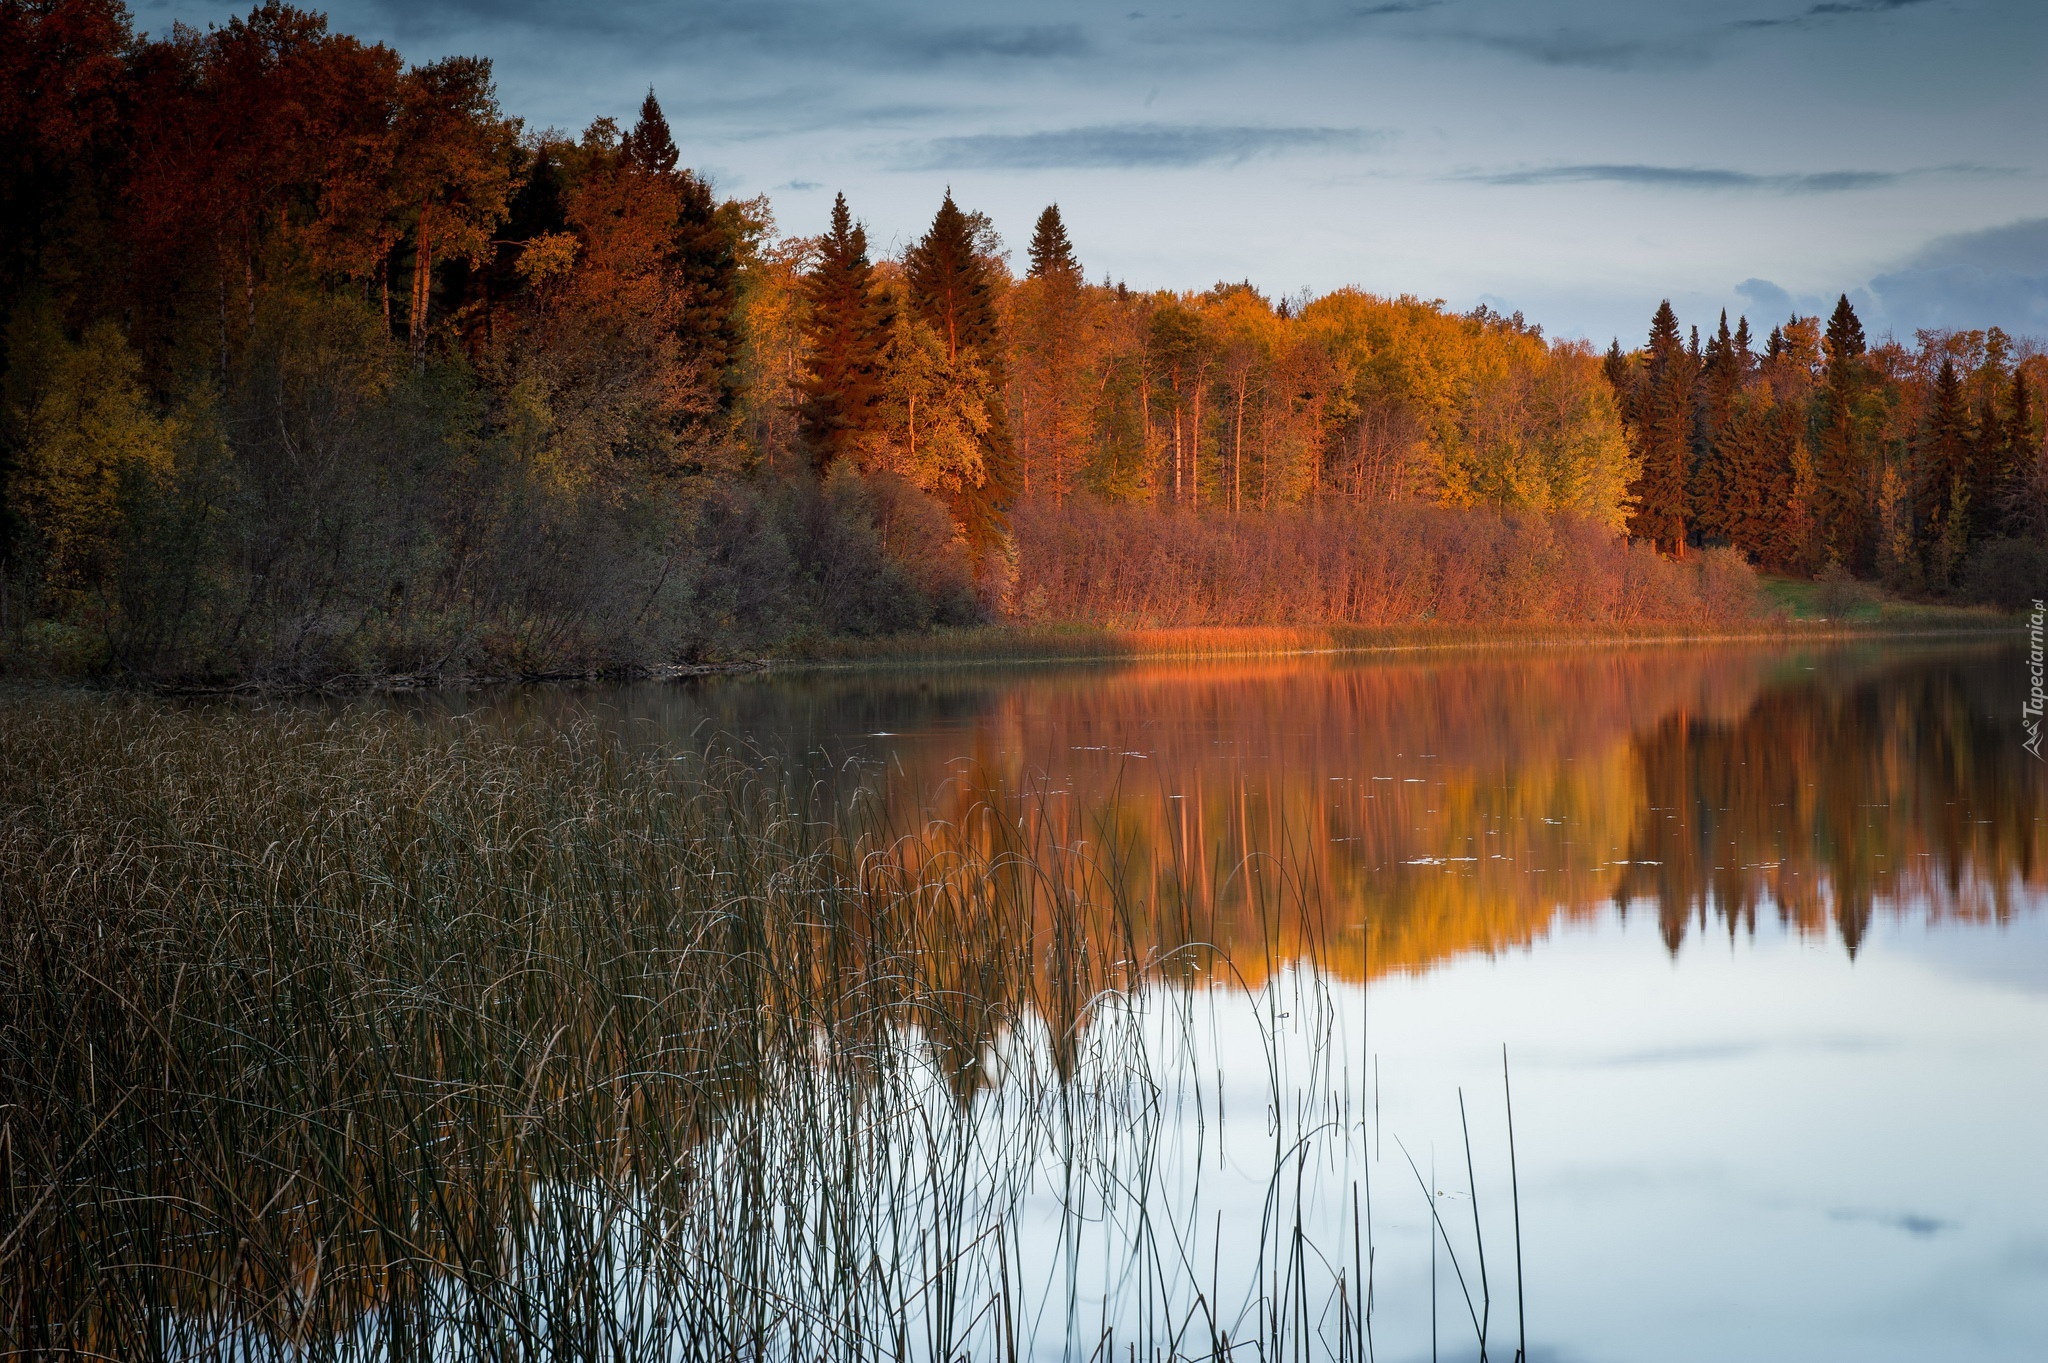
[1919, 1225]
[1130, 146]
[2020, 247]
[1997, 275]
[1964, 296]
[1025, 40]
[1696, 177]
[1833, 9]
[1596, 49]
[1768, 299]
[888, 35]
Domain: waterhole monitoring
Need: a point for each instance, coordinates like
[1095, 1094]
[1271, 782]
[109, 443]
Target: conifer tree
[706, 260]
[848, 330]
[1763, 458]
[1942, 481]
[703, 262]
[1720, 382]
[649, 148]
[1616, 367]
[1051, 253]
[2016, 454]
[1049, 394]
[1841, 455]
[1663, 437]
[951, 288]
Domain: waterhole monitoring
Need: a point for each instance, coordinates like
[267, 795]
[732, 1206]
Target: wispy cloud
[1130, 146]
[1831, 9]
[1696, 177]
[1595, 49]
[1919, 1225]
[1024, 40]
[892, 35]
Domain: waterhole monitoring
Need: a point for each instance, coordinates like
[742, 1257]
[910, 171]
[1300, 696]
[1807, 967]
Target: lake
[1761, 931]
[1673, 1002]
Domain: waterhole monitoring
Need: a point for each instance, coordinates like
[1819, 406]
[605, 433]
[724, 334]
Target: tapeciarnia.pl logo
[2037, 697]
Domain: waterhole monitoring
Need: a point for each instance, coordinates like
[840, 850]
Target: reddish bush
[1377, 564]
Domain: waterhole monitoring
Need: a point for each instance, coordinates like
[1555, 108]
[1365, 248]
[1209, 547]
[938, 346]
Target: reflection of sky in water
[1758, 1151]
[1737, 1139]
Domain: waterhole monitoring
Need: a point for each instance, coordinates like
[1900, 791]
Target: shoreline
[995, 646]
[1013, 645]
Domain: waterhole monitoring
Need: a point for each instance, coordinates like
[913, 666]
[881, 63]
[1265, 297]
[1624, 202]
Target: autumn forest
[321, 364]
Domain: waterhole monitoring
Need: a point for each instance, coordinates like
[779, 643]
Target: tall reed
[341, 1034]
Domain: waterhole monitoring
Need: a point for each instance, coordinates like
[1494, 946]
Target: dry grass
[336, 1034]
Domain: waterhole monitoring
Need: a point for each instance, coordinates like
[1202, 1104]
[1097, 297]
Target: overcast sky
[1574, 159]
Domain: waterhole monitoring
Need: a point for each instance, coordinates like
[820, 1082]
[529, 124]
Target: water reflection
[1409, 812]
[963, 1091]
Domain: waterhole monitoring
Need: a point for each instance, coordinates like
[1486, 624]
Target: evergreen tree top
[847, 241]
[1051, 251]
[950, 285]
[1664, 330]
[1845, 333]
[649, 146]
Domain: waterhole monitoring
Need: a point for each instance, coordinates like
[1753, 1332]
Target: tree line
[316, 361]
[1921, 466]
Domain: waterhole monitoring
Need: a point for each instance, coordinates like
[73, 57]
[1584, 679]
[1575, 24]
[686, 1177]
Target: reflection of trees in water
[352, 1010]
[1831, 798]
[1388, 817]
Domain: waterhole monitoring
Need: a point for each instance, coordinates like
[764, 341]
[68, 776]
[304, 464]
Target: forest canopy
[318, 362]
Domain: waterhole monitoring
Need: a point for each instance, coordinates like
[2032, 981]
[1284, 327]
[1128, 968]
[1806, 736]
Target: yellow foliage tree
[87, 429]
[935, 412]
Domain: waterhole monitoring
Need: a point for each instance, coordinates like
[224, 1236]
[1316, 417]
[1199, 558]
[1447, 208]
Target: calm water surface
[1760, 931]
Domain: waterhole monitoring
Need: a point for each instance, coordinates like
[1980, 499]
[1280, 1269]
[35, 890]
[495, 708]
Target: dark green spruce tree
[848, 331]
[1052, 255]
[1662, 432]
[951, 288]
[1720, 383]
[1941, 504]
[2016, 453]
[1621, 377]
[704, 260]
[1841, 455]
